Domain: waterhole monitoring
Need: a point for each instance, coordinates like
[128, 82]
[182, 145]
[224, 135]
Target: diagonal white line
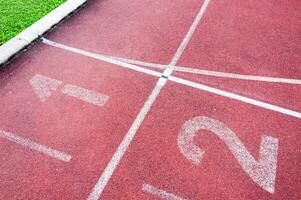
[238, 76]
[236, 97]
[138, 62]
[212, 73]
[35, 146]
[101, 57]
[204, 87]
[193, 84]
[160, 193]
[189, 33]
[110, 168]
[209, 72]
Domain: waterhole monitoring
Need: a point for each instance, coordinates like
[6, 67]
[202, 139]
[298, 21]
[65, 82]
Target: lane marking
[101, 57]
[262, 172]
[189, 33]
[110, 168]
[238, 76]
[169, 68]
[228, 94]
[236, 97]
[35, 146]
[213, 73]
[85, 94]
[139, 62]
[160, 193]
[44, 86]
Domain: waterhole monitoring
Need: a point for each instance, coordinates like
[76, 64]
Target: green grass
[17, 15]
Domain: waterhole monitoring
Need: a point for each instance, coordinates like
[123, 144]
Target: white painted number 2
[262, 172]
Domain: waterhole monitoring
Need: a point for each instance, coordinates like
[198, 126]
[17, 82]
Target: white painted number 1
[262, 172]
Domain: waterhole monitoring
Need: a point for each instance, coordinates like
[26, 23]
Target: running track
[167, 99]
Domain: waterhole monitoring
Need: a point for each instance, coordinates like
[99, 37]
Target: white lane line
[101, 57]
[139, 62]
[189, 33]
[85, 94]
[236, 97]
[35, 146]
[222, 93]
[110, 168]
[237, 76]
[44, 86]
[160, 193]
[212, 73]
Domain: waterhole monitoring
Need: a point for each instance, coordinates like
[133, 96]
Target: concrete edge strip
[26, 37]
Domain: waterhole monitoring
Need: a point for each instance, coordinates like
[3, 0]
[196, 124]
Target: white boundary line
[238, 76]
[236, 97]
[160, 193]
[101, 57]
[189, 33]
[35, 146]
[139, 62]
[212, 73]
[110, 168]
[121, 63]
[14, 45]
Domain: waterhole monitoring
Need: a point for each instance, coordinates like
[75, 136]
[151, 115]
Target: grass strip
[17, 15]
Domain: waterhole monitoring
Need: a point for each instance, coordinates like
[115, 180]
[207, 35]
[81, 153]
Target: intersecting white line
[132, 64]
[35, 146]
[160, 193]
[101, 57]
[121, 62]
[110, 168]
[212, 73]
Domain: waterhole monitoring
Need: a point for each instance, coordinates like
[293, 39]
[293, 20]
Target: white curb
[14, 45]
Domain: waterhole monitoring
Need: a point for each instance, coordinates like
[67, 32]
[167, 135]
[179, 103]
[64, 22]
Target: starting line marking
[101, 57]
[35, 146]
[212, 73]
[160, 193]
[182, 81]
[236, 97]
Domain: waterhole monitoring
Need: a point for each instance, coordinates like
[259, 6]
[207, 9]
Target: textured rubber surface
[87, 132]
[155, 157]
[45, 95]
